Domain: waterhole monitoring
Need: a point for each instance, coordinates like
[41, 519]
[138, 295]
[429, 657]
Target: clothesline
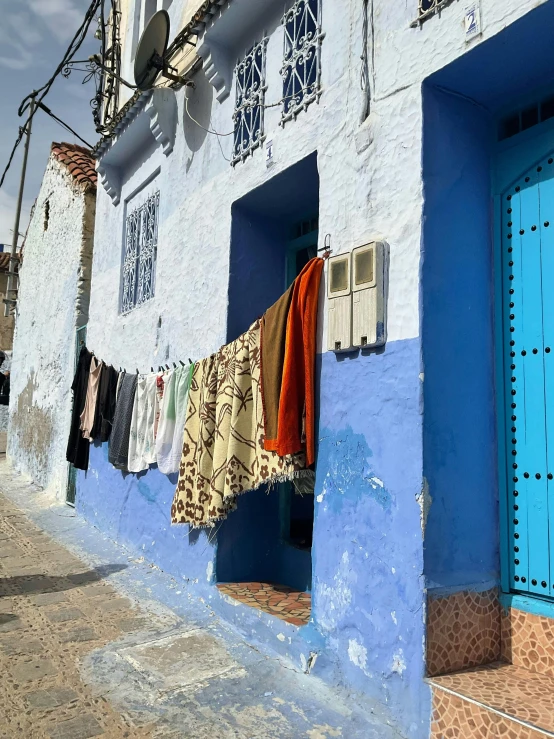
[161, 367]
[234, 421]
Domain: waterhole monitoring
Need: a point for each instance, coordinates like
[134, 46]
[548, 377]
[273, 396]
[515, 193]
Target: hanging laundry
[89, 411]
[296, 426]
[223, 445]
[142, 451]
[118, 452]
[160, 389]
[77, 447]
[273, 341]
[173, 409]
[105, 404]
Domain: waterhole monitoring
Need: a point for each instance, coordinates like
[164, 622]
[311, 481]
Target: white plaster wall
[373, 193]
[370, 178]
[56, 264]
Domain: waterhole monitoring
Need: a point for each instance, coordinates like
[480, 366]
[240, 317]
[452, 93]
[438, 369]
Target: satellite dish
[150, 58]
[151, 50]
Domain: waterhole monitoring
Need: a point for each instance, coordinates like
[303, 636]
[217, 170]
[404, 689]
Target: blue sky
[33, 37]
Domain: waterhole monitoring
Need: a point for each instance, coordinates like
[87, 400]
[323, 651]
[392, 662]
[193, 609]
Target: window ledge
[154, 115]
[219, 42]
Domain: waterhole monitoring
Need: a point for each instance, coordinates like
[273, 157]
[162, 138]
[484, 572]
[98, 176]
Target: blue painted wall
[135, 511]
[368, 589]
[459, 435]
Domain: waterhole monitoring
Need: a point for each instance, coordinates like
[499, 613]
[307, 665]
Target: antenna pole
[9, 301]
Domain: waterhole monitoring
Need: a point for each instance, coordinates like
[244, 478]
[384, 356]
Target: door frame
[532, 146]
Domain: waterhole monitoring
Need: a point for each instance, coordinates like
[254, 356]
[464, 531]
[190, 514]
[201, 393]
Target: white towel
[173, 411]
[142, 450]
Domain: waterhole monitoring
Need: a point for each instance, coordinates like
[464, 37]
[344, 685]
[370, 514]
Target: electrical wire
[64, 124]
[39, 94]
[364, 72]
[264, 106]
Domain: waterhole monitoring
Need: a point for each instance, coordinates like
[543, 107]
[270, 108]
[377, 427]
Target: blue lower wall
[368, 590]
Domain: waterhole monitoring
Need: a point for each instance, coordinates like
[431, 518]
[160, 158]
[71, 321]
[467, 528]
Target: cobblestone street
[86, 650]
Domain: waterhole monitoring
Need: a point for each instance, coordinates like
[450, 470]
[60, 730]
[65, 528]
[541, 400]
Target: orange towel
[296, 428]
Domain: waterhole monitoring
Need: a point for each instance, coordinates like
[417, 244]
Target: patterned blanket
[223, 445]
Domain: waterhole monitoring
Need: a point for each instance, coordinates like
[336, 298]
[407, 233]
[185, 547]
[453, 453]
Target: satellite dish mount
[151, 57]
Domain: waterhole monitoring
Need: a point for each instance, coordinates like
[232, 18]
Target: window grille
[249, 107]
[427, 8]
[301, 71]
[139, 262]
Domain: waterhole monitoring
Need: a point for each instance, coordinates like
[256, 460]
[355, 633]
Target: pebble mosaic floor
[290, 605]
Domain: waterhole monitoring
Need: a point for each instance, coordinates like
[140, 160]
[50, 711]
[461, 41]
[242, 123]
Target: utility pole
[9, 300]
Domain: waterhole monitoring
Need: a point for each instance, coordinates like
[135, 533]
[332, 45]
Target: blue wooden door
[527, 243]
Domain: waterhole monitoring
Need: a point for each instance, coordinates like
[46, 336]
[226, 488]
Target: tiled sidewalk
[53, 610]
[290, 605]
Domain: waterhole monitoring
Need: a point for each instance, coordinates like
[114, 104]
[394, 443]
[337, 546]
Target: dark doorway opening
[274, 234]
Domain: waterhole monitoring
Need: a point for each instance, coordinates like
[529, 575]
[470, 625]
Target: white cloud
[61, 16]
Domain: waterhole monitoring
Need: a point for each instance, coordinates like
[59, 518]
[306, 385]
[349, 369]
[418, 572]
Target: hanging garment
[118, 452]
[119, 379]
[173, 409]
[273, 339]
[296, 427]
[160, 389]
[89, 411]
[142, 451]
[77, 447]
[223, 444]
[105, 404]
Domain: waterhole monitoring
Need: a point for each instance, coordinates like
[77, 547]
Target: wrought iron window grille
[301, 70]
[139, 261]
[429, 8]
[248, 117]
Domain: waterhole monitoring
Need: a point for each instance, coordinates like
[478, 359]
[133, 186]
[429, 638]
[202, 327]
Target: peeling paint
[357, 654]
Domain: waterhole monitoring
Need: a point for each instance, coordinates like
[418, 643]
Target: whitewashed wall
[53, 300]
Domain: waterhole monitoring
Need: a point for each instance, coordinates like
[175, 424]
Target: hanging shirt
[142, 451]
[89, 411]
[173, 411]
[77, 447]
[118, 452]
[105, 404]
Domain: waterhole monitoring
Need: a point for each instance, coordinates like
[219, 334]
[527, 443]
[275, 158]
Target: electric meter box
[356, 292]
[339, 293]
[369, 295]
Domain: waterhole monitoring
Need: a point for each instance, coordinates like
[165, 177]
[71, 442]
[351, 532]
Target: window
[46, 215]
[528, 117]
[301, 69]
[139, 260]
[427, 8]
[249, 111]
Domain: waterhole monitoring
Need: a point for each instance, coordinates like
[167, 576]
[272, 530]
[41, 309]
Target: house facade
[425, 128]
[53, 300]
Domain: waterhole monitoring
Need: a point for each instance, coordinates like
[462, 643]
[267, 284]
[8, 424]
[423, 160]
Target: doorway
[524, 201]
[268, 539]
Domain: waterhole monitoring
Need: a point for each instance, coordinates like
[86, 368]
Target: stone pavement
[86, 651]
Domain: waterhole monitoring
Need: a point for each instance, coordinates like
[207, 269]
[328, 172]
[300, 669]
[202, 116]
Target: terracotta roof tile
[78, 160]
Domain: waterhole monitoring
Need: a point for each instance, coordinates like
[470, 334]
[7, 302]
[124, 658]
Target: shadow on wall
[198, 102]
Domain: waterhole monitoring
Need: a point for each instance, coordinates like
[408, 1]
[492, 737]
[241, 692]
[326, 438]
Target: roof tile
[79, 161]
